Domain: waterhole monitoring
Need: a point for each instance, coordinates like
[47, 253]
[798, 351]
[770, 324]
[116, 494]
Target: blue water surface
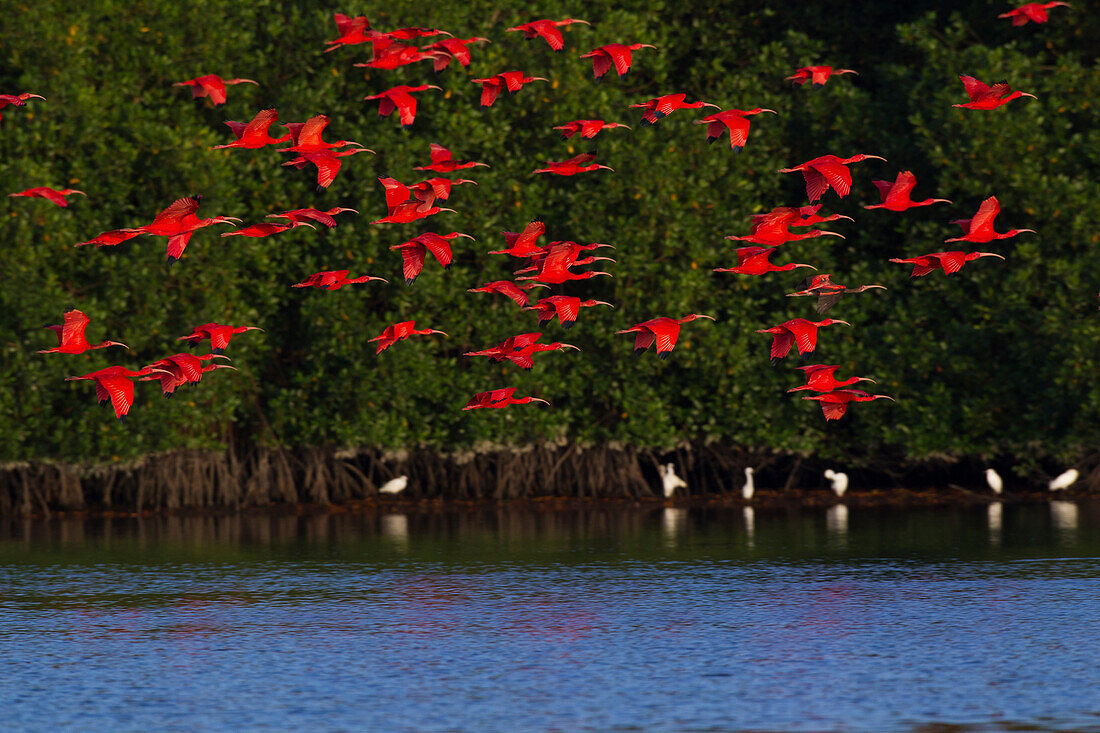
[588, 619]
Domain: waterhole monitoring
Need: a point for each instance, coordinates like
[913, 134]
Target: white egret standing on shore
[994, 480]
[840, 481]
[394, 486]
[749, 488]
[1065, 480]
[670, 480]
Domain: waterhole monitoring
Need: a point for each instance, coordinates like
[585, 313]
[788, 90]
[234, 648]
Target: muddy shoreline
[327, 480]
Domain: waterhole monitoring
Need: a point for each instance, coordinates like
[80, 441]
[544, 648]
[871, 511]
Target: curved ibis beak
[569, 346]
[1026, 230]
[646, 45]
[836, 320]
[464, 180]
[439, 332]
[537, 399]
[39, 96]
[460, 234]
[1025, 94]
[600, 302]
[866, 379]
[809, 266]
[450, 210]
[221, 356]
[990, 254]
[700, 315]
[602, 259]
[843, 216]
[708, 104]
[769, 110]
[118, 343]
[875, 157]
[833, 234]
[605, 167]
[433, 86]
[481, 164]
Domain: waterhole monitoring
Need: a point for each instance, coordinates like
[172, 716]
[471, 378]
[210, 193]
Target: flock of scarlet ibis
[541, 265]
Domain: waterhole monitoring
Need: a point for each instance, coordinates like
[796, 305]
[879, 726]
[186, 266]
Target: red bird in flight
[773, 228]
[828, 171]
[402, 208]
[979, 228]
[180, 369]
[817, 75]
[70, 335]
[400, 98]
[822, 378]
[547, 30]
[436, 188]
[210, 85]
[444, 162]
[457, 49]
[827, 292]
[553, 265]
[499, 398]
[219, 335]
[178, 222]
[327, 162]
[796, 332]
[565, 307]
[303, 216]
[835, 404]
[984, 96]
[352, 31]
[334, 280]
[515, 291]
[415, 250]
[254, 134]
[613, 54]
[587, 129]
[754, 261]
[264, 229]
[53, 195]
[663, 331]
[577, 164]
[399, 332]
[307, 137]
[513, 81]
[111, 238]
[16, 100]
[520, 350]
[950, 262]
[523, 244]
[895, 196]
[734, 121]
[114, 384]
[1031, 12]
[663, 106]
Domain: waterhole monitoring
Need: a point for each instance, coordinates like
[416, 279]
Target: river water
[594, 618]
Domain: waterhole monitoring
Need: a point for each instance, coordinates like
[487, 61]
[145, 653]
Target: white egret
[749, 488]
[670, 480]
[840, 481]
[1065, 480]
[994, 480]
[394, 486]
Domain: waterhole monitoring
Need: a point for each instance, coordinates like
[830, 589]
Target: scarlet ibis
[210, 85]
[254, 134]
[663, 330]
[400, 98]
[111, 238]
[984, 96]
[554, 264]
[613, 54]
[327, 162]
[577, 164]
[352, 31]
[1064, 480]
[835, 404]
[520, 350]
[994, 481]
[181, 369]
[950, 262]
[822, 378]
[307, 137]
[817, 75]
[565, 307]
[396, 55]
[826, 291]
[400, 209]
[70, 335]
[797, 331]
[665, 105]
[178, 222]
[302, 216]
[1031, 12]
[16, 100]
[444, 162]
[498, 398]
[979, 228]
[436, 188]
[773, 228]
[586, 128]
[113, 383]
[334, 280]
[734, 121]
[670, 481]
[754, 261]
[895, 196]
[547, 30]
[838, 480]
[513, 81]
[523, 244]
[265, 229]
[399, 332]
[515, 291]
[828, 171]
[452, 48]
[53, 195]
[218, 333]
[415, 250]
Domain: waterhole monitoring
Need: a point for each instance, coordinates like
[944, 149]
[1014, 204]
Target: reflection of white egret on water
[994, 516]
[673, 524]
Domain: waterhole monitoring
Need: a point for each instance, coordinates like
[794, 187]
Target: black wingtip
[776, 360]
[711, 139]
[737, 149]
[638, 351]
[663, 354]
[218, 351]
[567, 324]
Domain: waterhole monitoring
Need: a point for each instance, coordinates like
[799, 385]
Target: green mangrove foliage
[1001, 358]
